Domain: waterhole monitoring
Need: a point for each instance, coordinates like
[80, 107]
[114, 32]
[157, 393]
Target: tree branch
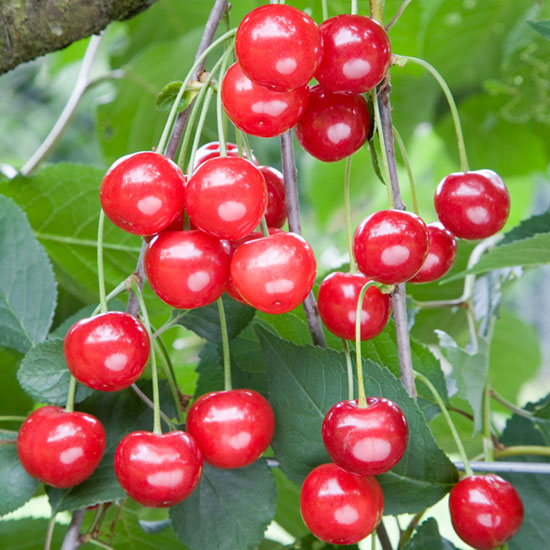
[72, 537]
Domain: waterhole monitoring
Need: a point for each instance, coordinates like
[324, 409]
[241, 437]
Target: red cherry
[158, 470]
[390, 246]
[60, 448]
[441, 254]
[485, 510]
[275, 214]
[142, 193]
[278, 47]
[356, 54]
[366, 441]
[472, 205]
[274, 274]
[226, 197]
[334, 125]
[257, 110]
[107, 352]
[212, 150]
[187, 269]
[232, 428]
[339, 507]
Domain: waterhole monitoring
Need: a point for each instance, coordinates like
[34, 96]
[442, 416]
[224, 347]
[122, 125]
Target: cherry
[212, 150]
[274, 274]
[257, 110]
[339, 507]
[275, 214]
[142, 193]
[107, 352]
[187, 269]
[334, 125]
[60, 448]
[441, 254]
[278, 47]
[226, 197]
[472, 205]
[232, 428]
[485, 510]
[337, 303]
[158, 470]
[366, 441]
[390, 246]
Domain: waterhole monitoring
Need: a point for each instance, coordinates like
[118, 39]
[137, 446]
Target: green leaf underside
[427, 537]
[29, 534]
[542, 27]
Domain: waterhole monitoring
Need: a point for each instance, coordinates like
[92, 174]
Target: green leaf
[14, 400]
[542, 27]
[27, 286]
[528, 228]
[29, 534]
[310, 542]
[427, 536]
[167, 96]
[229, 510]
[288, 514]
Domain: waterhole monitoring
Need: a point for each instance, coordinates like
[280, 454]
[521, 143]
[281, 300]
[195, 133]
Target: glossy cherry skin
[356, 54]
[278, 47]
[60, 448]
[334, 125]
[441, 254]
[274, 274]
[158, 470]
[472, 205]
[107, 352]
[232, 428]
[390, 246]
[257, 110]
[142, 193]
[339, 507]
[211, 150]
[486, 511]
[275, 214]
[187, 269]
[366, 441]
[337, 303]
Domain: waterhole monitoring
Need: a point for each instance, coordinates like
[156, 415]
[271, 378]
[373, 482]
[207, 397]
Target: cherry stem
[377, 10]
[353, 7]
[407, 164]
[361, 397]
[471, 325]
[219, 107]
[239, 140]
[49, 533]
[170, 323]
[98, 519]
[69, 407]
[225, 347]
[516, 410]
[151, 405]
[487, 439]
[100, 272]
[398, 14]
[13, 418]
[536, 450]
[349, 369]
[170, 375]
[324, 9]
[198, 131]
[119, 289]
[413, 524]
[347, 212]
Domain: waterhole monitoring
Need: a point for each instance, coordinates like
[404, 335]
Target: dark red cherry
[142, 193]
[212, 150]
[339, 507]
[257, 110]
[390, 246]
[275, 214]
[60, 448]
[334, 125]
[278, 47]
[472, 205]
[486, 511]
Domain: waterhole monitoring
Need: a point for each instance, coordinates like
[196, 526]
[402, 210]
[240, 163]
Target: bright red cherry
[60, 448]
[212, 150]
[107, 352]
[158, 470]
[232, 428]
[187, 269]
[337, 303]
[334, 125]
[275, 214]
[278, 47]
[274, 274]
[390, 246]
[142, 193]
[366, 441]
[356, 54]
[472, 205]
[441, 254]
[485, 510]
[257, 110]
[339, 507]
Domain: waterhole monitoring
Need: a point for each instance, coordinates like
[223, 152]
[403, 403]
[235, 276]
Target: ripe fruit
[339, 507]
[142, 193]
[278, 47]
[107, 352]
[275, 214]
[257, 110]
[334, 125]
[390, 246]
[472, 205]
[274, 274]
[232, 428]
[158, 470]
[337, 303]
[485, 510]
[60, 448]
[356, 54]
[187, 269]
[366, 441]
[212, 150]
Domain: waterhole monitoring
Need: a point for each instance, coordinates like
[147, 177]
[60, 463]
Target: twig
[72, 536]
[383, 537]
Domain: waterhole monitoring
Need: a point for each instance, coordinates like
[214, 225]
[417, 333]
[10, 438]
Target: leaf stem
[347, 212]
[225, 346]
[398, 14]
[487, 439]
[380, 133]
[49, 533]
[100, 272]
[407, 164]
[349, 369]
[516, 410]
[361, 397]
